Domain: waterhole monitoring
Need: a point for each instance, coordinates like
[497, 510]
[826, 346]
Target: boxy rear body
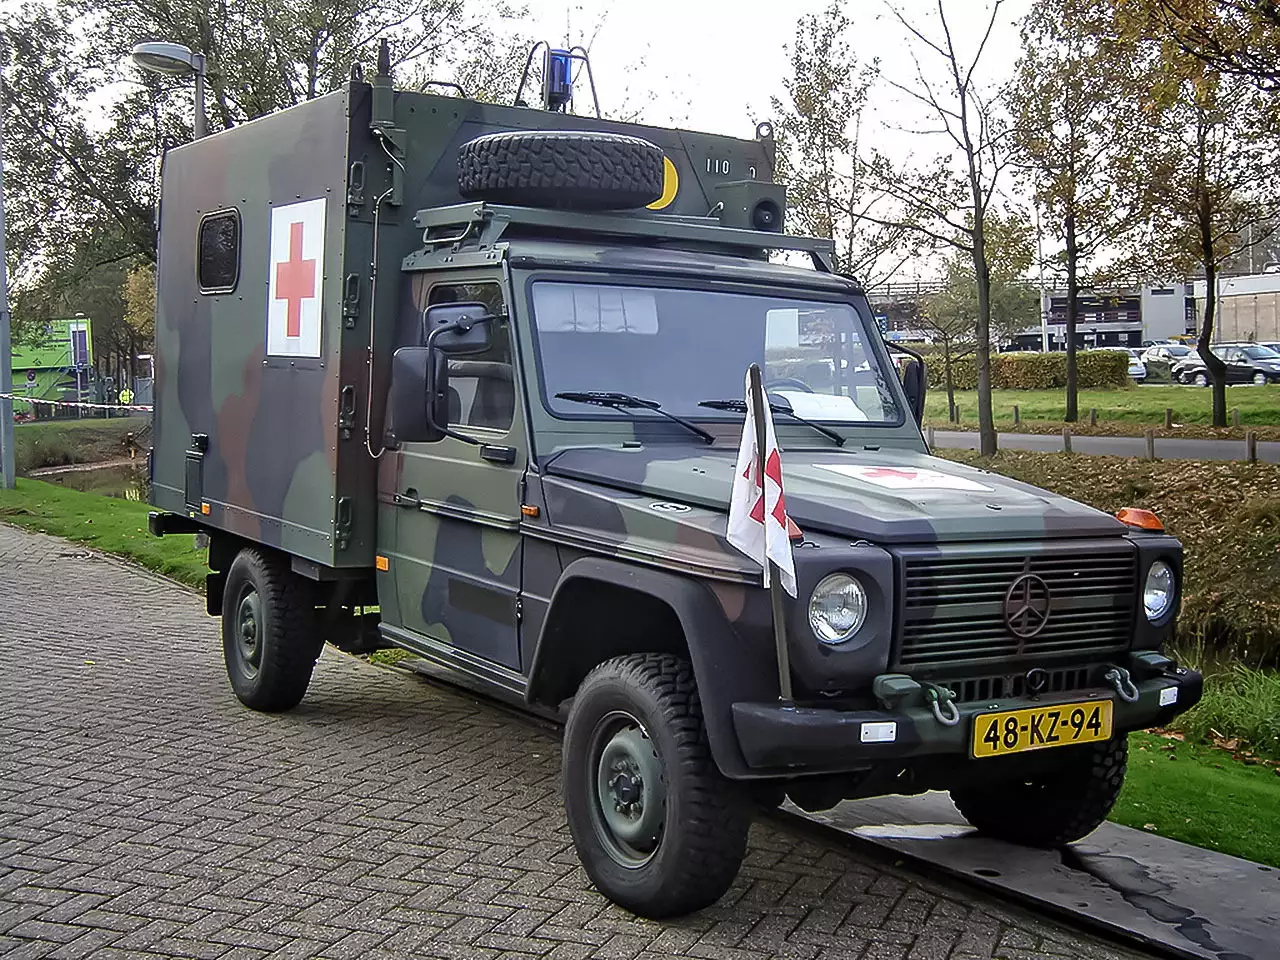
[270, 445]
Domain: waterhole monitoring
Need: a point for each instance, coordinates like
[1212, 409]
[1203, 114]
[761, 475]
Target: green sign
[67, 344]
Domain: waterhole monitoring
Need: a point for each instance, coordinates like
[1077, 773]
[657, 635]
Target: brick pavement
[144, 813]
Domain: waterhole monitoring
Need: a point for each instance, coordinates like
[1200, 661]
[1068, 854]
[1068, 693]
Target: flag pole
[775, 582]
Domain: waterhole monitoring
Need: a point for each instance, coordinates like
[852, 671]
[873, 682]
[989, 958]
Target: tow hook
[942, 703]
[1118, 677]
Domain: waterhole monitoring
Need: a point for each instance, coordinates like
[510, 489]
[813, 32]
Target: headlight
[1157, 594]
[838, 608]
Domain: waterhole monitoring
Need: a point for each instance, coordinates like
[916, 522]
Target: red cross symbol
[890, 472]
[295, 281]
[772, 470]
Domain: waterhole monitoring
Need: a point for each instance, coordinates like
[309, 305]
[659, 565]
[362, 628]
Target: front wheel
[1201, 379]
[658, 828]
[1260, 379]
[1052, 808]
[270, 639]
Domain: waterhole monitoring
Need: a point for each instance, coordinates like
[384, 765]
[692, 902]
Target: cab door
[457, 551]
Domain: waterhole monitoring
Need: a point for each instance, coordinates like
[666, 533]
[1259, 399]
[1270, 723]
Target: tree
[1069, 88]
[947, 199]
[1240, 37]
[950, 316]
[819, 128]
[86, 176]
[1208, 157]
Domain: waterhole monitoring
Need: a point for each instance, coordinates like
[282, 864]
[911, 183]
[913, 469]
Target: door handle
[409, 498]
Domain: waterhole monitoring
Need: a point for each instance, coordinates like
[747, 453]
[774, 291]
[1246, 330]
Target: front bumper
[784, 738]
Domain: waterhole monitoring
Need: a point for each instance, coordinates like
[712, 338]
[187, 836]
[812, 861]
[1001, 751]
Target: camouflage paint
[461, 557]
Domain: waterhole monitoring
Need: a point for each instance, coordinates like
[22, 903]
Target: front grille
[974, 689]
[953, 607]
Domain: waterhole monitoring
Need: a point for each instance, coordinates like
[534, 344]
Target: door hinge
[519, 609]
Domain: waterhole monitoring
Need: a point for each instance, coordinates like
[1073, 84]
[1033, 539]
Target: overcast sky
[722, 60]
[714, 64]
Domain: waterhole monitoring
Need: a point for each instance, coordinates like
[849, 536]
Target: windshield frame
[872, 337]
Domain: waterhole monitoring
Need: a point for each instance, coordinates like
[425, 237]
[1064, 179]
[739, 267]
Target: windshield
[1260, 353]
[679, 348]
[1178, 351]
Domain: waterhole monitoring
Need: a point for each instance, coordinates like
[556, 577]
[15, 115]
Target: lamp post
[175, 60]
[6, 361]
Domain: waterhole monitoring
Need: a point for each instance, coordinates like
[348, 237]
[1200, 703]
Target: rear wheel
[270, 639]
[1260, 379]
[658, 828]
[1201, 379]
[1051, 808]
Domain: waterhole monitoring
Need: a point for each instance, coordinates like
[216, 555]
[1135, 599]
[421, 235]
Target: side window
[218, 252]
[481, 385]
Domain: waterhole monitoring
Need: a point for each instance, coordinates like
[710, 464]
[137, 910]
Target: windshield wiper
[740, 406]
[624, 401]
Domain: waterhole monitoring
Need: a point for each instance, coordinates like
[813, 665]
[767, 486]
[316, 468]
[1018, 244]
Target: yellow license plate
[1038, 728]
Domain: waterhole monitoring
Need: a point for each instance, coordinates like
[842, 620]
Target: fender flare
[726, 666]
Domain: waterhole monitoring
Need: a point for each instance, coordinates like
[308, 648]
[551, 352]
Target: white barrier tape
[69, 403]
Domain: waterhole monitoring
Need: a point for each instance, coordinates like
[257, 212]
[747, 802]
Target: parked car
[1137, 369]
[1171, 353]
[1246, 363]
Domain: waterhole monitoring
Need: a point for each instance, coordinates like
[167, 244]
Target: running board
[506, 680]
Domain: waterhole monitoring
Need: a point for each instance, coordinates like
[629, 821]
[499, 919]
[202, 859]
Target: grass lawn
[1128, 410]
[53, 443]
[1201, 796]
[114, 526]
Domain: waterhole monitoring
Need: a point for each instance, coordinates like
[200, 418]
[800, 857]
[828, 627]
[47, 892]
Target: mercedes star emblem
[1026, 606]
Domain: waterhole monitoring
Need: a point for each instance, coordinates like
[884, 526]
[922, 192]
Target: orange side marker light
[529, 510]
[1137, 517]
[382, 563]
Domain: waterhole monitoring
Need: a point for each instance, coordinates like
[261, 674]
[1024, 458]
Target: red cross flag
[757, 508]
[293, 279]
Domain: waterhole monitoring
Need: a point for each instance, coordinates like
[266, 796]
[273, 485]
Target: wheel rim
[628, 790]
[1259, 378]
[1201, 380]
[249, 631]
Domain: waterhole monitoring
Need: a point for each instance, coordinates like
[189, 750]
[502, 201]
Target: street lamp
[175, 60]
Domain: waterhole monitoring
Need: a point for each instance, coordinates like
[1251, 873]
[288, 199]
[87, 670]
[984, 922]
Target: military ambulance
[467, 380]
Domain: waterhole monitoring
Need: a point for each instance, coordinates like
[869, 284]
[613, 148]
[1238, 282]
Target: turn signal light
[1137, 517]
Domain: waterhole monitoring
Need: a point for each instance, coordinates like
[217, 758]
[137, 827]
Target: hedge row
[1036, 371]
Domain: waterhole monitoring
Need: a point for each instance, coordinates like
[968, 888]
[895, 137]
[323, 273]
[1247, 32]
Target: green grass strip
[1202, 796]
[114, 526]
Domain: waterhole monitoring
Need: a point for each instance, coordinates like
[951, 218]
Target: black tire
[568, 170]
[269, 671]
[700, 833]
[1050, 809]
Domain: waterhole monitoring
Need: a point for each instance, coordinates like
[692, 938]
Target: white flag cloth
[757, 508]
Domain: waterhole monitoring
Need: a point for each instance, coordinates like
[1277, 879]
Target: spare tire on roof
[566, 169]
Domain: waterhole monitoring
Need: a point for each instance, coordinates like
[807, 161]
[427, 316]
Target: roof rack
[485, 223]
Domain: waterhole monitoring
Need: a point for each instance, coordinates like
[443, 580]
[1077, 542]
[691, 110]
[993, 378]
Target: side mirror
[915, 385]
[411, 420]
[457, 329]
